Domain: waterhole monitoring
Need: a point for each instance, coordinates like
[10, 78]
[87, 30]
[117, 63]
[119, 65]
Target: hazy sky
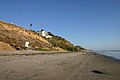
[93, 24]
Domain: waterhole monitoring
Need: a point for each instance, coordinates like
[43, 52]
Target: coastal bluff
[16, 37]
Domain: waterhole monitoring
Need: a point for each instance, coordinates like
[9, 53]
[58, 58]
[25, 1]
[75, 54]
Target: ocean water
[111, 53]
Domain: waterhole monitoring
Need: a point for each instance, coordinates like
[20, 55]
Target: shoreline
[96, 53]
[110, 57]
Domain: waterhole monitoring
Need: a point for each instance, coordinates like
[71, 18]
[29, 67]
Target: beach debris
[97, 72]
[100, 72]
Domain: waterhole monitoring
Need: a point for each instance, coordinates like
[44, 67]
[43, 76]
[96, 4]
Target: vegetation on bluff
[58, 41]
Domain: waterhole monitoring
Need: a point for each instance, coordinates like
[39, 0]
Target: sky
[93, 24]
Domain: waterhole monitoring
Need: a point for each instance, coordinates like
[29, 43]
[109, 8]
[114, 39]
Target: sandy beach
[67, 66]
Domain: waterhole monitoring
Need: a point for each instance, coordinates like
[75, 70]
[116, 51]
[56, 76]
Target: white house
[45, 34]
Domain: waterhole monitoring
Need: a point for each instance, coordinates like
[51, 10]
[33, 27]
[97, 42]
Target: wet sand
[67, 66]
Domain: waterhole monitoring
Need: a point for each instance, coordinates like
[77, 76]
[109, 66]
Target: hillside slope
[16, 36]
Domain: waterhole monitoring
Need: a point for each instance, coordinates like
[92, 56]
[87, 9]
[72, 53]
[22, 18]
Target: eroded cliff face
[16, 36]
[4, 46]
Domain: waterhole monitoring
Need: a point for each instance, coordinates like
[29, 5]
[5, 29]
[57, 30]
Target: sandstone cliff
[16, 36]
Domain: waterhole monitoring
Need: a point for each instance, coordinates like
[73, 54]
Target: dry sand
[68, 66]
